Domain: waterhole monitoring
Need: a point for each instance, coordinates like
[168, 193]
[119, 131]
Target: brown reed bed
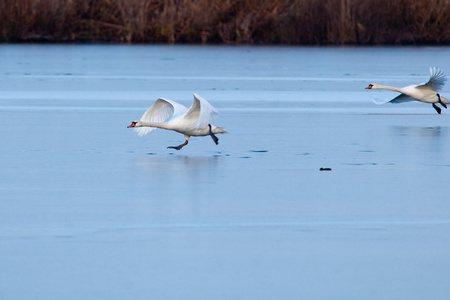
[227, 21]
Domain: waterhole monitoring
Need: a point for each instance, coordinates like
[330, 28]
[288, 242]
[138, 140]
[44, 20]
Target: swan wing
[379, 101]
[161, 111]
[200, 112]
[437, 80]
[399, 99]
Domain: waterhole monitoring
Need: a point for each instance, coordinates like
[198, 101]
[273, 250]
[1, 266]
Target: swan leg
[213, 136]
[180, 146]
[440, 101]
[438, 109]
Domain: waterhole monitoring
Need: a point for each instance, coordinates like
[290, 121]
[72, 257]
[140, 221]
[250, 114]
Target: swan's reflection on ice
[415, 131]
[179, 174]
[177, 162]
[173, 186]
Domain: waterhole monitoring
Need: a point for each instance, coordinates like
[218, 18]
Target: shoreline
[301, 22]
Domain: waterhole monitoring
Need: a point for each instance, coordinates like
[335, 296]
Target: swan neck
[154, 124]
[390, 88]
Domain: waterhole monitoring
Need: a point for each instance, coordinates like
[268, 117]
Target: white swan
[170, 115]
[425, 92]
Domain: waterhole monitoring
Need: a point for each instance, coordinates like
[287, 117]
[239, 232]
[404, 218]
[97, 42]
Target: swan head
[134, 124]
[373, 86]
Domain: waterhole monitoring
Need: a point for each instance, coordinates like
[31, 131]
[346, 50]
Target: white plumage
[170, 115]
[425, 92]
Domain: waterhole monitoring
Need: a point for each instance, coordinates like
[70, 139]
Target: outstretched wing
[399, 99]
[437, 79]
[159, 112]
[200, 112]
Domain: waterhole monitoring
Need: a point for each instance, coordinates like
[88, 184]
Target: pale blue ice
[90, 210]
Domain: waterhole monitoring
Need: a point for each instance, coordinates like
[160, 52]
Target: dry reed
[227, 21]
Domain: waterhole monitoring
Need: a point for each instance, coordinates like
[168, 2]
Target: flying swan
[170, 115]
[425, 92]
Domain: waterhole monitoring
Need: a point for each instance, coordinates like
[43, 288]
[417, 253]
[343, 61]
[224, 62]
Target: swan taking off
[170, 115]
[426, 92]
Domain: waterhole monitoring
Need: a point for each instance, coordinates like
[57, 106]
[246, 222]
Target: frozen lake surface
[89, 210]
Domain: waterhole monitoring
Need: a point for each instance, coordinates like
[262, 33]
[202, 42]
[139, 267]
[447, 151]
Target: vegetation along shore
[301, 22]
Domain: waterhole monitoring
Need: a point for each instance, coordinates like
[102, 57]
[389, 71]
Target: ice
[90, 210]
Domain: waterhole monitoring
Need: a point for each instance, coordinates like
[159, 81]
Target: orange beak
[133, 124]
[369, 87]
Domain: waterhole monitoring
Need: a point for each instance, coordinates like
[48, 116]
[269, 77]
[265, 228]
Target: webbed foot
[178, 147]
[213, 136]
[438, 109]
[440, 101]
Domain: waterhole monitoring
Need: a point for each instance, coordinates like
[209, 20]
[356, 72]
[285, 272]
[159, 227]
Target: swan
[170, 115]
[425, 92]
